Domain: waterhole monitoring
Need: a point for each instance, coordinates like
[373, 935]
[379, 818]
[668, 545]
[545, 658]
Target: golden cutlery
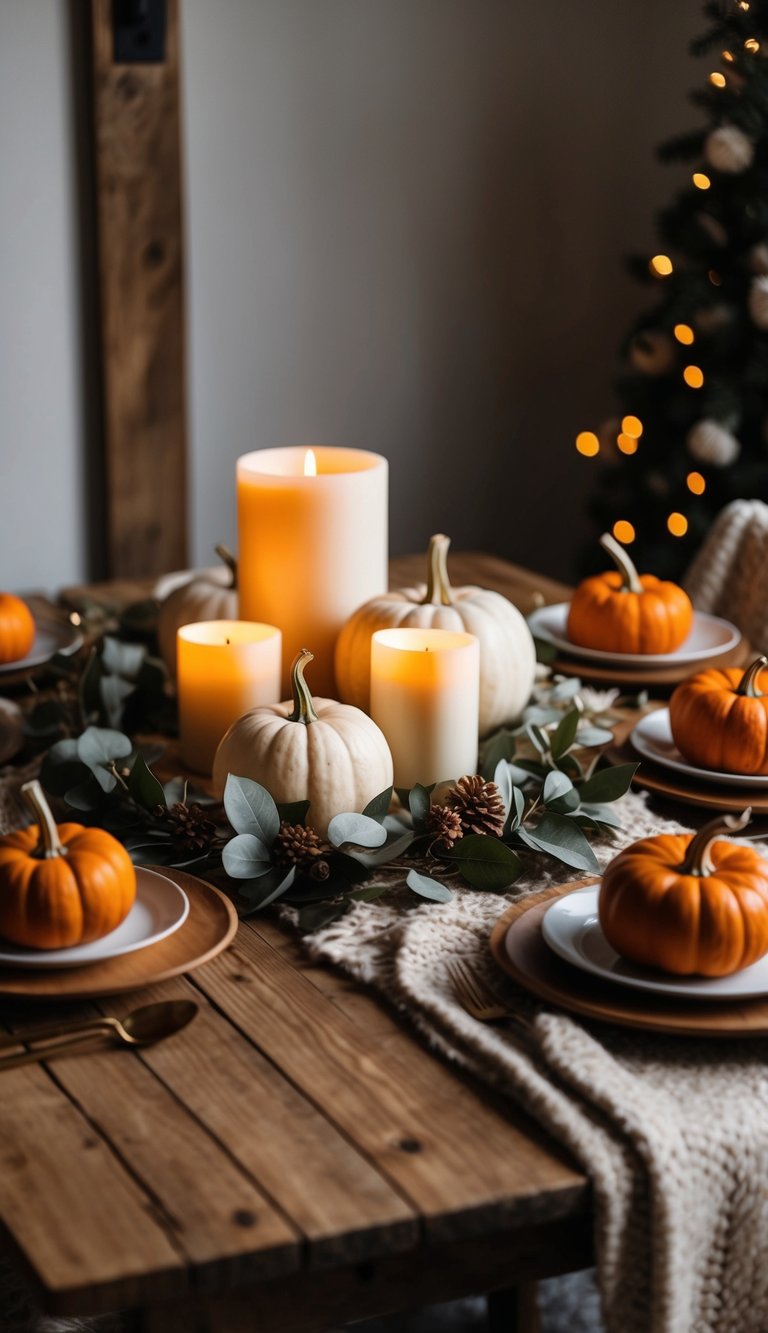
[478, 999]
[141, 1027]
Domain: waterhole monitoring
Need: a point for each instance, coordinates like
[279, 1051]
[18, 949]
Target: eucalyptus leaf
[114, 691]
[358, 830]
[555, 784]
[428, 888]
[501, 745]
[602, 814]
[486, 862]
[87, 795]
[518, 810]
[250, 808]
[540, 716]
[348, 868]
[144, 786]
[419, 802]
[378, 808]
[99, 748]
[503, 780]
[293, 812]
[565, 733]
[122, 659]
[368, 894]
[566, 689]
[246, 857]
[565, 804]
[267, 889]
[317, 915]
[561, 837]
[392, 848]
[608, 784]
[175, 791]
[589, 736]
[538, 738]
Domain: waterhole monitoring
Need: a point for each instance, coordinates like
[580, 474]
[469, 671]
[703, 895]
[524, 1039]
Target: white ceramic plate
[571, 928]
[709, 637]
[52, 637]
[160, 908]
[652, 738]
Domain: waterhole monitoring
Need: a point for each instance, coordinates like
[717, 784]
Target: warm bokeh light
[587, 443]
[627, 444]
[693, 376]
[743, 4]
[752, 45]
[717, 79]
[696, 483]
[684, 334]
[310, 463]
[632, 426]
[660, 266]
[623, 531]
[729, 56]
[677, 524]
[701, 180]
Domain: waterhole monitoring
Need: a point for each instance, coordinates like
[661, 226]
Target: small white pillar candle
[425, 697]
[224, 668]
[312, 541]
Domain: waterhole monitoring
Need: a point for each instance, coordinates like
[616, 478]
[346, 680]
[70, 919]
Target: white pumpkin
[209, 595]
[315, 750]
[507, 653]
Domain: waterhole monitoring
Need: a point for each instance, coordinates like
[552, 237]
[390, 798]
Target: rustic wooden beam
[137, 173]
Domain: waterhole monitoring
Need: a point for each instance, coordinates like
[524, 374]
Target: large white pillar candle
[425, 697]
[312, 545]
[224, 668]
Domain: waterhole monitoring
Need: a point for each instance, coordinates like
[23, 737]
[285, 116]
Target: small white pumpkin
[507, 653]
[209, 595]
[307, 749]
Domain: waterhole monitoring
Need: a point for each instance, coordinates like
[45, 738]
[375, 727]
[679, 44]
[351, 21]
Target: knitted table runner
[673, 1132]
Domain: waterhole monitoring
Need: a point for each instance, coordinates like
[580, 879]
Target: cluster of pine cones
[472, 806]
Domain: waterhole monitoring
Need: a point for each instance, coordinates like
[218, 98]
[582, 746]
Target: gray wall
[405, 223]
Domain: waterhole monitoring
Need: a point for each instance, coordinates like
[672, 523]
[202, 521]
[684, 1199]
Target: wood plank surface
[138, 189]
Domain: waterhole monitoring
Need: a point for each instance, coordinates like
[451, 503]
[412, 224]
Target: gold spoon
[149, 1023]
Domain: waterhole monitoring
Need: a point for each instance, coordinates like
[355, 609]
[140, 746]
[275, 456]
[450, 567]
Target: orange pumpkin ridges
[17, 628]
[689, 905]
[622, 611]
[62, 884]
[719, 719]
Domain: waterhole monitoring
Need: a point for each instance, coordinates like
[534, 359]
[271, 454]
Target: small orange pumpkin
[622, 611]
[62, 884]
[17, 628]
[688, 904]
[719, 719]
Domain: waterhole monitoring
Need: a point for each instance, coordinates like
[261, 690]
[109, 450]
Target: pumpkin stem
[50, 843]
[630, 579]
[697, 860]
[303, 707]
[748, 687]
[438, 584]
[224, 553]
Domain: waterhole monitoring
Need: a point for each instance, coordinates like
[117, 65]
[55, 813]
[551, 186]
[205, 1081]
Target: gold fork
[476, 997]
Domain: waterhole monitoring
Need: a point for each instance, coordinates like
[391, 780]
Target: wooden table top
[295, 1127]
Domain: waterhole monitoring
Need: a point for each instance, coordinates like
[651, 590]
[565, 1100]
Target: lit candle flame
[310, 463]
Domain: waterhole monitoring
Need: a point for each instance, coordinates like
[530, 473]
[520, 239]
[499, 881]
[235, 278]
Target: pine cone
[479, 806]
[444, 824]
[297, 845]
[192, 830]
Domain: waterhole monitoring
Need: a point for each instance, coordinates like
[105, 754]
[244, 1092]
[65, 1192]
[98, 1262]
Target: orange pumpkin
[62, 884]
[622, 611]
[688, 904]
[17, 628]
[719, 719]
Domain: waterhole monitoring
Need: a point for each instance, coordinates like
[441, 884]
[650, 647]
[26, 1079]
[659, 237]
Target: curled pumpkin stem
[630, 577]
[748, 686]
[697, 859]
[303, 707]
[224, 553]
[438, 584]
[50, 844]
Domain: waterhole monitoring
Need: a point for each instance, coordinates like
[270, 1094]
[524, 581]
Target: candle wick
[227, 642]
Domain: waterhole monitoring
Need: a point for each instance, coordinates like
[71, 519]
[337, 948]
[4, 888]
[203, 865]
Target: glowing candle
[224, 668]
[425, 696]
[312, 545]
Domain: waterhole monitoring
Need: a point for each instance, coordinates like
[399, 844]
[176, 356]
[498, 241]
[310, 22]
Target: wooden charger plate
[209, 928]
[640, 677]
[518, 946]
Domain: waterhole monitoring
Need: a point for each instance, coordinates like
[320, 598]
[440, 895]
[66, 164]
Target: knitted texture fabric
[673, 1132]
[728, 576]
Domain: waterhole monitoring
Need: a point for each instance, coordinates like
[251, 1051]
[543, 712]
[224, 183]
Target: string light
[696, 483]
[693, 376]
[627, 444]
[743, 4]
[752, 45]
[660, 266]
[587, 443]
[684, 334]
[717, 79]
[728, 56]
[623, 531]
[632, 426]
[677, 524]
[701, 181]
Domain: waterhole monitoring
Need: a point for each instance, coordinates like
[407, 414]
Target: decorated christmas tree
[692, 429]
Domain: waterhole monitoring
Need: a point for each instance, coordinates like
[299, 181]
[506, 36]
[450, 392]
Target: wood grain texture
[138, 191]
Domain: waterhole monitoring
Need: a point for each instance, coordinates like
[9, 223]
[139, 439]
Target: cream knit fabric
[672, 1132]
[729, 576]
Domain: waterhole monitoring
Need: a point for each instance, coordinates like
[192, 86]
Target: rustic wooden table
[295, 1158]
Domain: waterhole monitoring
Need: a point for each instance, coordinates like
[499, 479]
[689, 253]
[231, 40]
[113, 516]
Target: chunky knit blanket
[672, 1132]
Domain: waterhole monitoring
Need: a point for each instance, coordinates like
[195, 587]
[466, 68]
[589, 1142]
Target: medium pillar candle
[425, 697]
[224, 668]
[312, 545]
